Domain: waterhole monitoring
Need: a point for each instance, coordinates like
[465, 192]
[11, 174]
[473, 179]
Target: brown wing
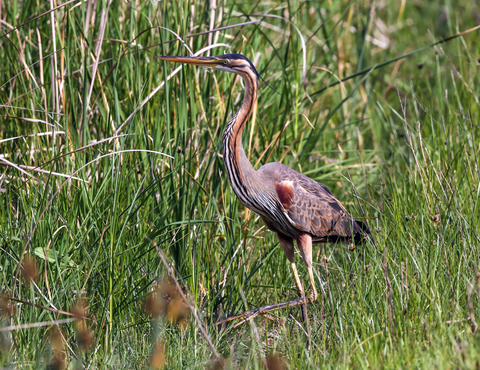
[312, 207]
[317, 213]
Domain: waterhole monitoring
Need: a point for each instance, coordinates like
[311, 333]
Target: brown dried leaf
[167, 301]
[275, 362]
[6, 307]
[158, 355]
[58, 360]
[30, 270]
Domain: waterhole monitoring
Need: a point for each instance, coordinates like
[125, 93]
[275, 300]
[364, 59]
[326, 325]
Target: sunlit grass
[149, 190]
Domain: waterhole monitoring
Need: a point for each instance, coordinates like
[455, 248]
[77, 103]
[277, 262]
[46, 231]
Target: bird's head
[235, 63]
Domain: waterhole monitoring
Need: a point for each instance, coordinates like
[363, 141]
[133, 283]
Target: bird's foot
[251, 314]
[267, 316]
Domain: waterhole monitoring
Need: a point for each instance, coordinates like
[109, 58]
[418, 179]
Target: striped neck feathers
[237, 164]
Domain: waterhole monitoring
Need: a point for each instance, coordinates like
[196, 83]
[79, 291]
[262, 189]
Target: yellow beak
[198, 61]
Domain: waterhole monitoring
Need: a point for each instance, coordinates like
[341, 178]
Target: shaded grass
[407, 134]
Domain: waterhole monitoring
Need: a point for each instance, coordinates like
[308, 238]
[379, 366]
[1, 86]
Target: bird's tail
[360, 231]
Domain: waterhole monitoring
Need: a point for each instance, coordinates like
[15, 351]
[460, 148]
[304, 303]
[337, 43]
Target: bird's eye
[226, 61]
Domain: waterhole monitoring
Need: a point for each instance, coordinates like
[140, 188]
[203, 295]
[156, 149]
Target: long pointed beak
[198, 61]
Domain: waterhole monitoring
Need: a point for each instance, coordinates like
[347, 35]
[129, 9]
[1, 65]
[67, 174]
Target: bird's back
[310, 206]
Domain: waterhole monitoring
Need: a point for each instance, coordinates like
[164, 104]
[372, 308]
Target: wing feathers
[284, 191]
[319, 213]
[311, 207]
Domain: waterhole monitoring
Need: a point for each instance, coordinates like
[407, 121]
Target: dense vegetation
[113, 185]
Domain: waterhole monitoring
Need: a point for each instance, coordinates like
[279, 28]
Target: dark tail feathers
[360, 230]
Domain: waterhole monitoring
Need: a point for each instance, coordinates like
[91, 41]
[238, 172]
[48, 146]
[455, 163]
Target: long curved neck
[239, 169]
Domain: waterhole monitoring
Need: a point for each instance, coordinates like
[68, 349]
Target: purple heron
[291, 204]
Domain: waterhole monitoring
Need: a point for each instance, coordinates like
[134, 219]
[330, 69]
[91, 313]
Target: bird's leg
[305, 246]
[255, 314]
[304, 243]
[250, 314]
[300, 291]
[313, 291]
[287, 246]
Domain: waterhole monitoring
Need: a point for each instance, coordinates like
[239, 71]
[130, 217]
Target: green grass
[407, 133]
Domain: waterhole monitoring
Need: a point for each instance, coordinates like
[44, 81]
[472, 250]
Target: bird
[294, 206]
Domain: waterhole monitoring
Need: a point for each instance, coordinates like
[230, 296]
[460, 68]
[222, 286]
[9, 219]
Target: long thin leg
[305, 246]
[288, 248]
[250, 314]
